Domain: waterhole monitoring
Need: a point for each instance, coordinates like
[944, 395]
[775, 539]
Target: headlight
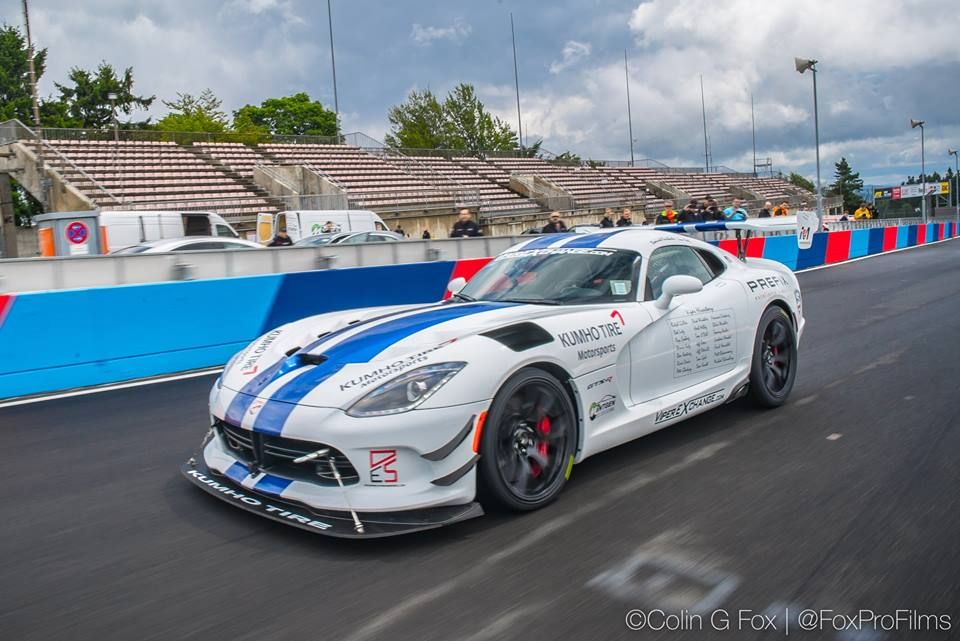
[406, 391]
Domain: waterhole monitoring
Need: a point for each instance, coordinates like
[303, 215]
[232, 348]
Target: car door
[694, 340]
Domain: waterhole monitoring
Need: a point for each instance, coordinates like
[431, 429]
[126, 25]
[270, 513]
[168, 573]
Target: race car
[381, 421]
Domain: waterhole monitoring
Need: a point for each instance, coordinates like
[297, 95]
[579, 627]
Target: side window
[714, 263]
[672, 261]
[229, 245]
[355, 239]
[224, 231]
[192, 247]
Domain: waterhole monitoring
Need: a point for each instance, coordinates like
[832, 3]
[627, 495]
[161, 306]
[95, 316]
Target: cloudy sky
[883, 62]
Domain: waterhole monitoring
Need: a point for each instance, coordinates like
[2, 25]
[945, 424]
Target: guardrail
[42, 274]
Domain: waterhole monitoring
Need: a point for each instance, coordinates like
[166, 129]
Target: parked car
[190, 244]
[350, 238]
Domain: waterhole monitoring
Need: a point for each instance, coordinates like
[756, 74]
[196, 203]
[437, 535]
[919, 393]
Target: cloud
[456, 32]
[573, 52]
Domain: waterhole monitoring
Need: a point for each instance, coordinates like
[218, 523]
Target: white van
[128, 228]
[301, 223]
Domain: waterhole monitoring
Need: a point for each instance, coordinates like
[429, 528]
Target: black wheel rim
[532, 440]
[776, 356]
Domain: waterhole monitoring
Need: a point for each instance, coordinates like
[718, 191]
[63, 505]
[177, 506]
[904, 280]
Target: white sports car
[381, 421]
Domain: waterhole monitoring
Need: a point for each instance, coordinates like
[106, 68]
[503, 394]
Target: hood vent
[521, 336]
[311, 359]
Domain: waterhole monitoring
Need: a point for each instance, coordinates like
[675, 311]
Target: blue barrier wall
[60, 340]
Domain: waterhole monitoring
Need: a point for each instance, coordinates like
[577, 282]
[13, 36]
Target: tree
[461, 122]
[797, 180]
[16, 99]
[568, 158]
[194, 113]
[848, 185]
[532, 151]
[25, 206]
[418, 123]
[86, 104]
[294, 115]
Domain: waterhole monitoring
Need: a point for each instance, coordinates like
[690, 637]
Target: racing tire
[527, 444]
[774, 365]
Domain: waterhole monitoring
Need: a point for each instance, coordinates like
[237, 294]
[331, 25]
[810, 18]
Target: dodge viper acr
[380, 421]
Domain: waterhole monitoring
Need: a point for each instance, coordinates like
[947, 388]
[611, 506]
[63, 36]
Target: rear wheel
[528, 439]
[774, 366]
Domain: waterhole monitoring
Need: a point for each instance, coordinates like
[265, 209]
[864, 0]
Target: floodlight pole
[706, 145]
[753, 136]
[333, 63]
[626, 72]
[923, 176]
[816, 136]
[516, 82]
[956, 181]
[44, 181]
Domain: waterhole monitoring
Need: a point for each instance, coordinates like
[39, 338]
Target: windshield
[319, 239]
[561, 276]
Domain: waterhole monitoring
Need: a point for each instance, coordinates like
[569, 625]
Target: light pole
[626, 72]
[956, 180]
[923, 170]
[112, 97]
[516, 82]
[802, 65]
[333, 63]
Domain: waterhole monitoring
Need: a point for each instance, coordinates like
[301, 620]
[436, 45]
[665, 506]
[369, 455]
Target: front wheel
[527, 443]
[774, 365]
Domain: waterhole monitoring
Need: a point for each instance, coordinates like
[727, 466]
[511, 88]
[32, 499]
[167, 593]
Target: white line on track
[177, 377]
[110, 388]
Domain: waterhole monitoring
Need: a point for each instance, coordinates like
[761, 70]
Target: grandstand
[215, 175]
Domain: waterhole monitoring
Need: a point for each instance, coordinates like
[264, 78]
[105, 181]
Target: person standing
[767, 210]
[862, 213]
[555, 226]
[425, 235]
[282, 239]
[692, 213]
[607, 221]
[668, 216]
[626, 218]
[735, 212]
[712, 210]
[465, 227]
[783, 209]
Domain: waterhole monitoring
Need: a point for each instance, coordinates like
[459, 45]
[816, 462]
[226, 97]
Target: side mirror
[457, 284]
[677, 286]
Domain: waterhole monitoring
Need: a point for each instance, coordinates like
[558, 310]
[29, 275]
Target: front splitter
[327, 522]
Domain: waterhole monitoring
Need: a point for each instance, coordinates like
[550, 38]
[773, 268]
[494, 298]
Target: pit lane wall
[60, 340]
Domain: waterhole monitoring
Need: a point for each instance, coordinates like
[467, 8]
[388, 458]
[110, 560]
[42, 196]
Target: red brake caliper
[543, 426]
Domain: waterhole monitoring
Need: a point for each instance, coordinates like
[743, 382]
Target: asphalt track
[848, 498]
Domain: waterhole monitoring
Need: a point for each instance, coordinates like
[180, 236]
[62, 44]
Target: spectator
[465, 226]
[399, 230]
[426, 234]
[874, 214]
[711, 211]
[607, 220]
[625, 218]
[735, 212]
[555, 226]
[668, 216]
[329, 227]
[282, 239]
[767, 210]
[783, 209]
[862, 212]
[692, 212]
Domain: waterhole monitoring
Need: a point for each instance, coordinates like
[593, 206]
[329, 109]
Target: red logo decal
[382, 464]
[253, 370]
[255, 406]
[617, 315]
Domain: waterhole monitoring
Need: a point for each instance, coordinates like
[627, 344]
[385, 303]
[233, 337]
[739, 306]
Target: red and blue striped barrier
[51, 341]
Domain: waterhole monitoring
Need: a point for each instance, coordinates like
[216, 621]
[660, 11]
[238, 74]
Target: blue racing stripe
[544, 241]
[237, 472]
[593, 240]
[359, 348]
[270, 484]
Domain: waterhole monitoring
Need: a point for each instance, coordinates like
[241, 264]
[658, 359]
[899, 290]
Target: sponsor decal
[617, 316]
[602, 381]
[596, 352]
[682, 409]
[555, 250]
[248, 362]
[383, 467]
[255, 406]
[363, 380]
[770, 282]
[592, 333]
[228, 491]
[602, 406]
